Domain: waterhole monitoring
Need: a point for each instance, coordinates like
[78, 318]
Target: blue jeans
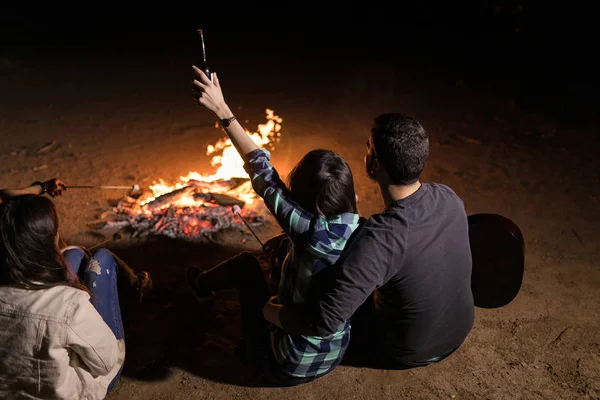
[102, 287]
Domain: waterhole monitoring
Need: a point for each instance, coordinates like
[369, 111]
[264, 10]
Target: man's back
[416, 256]
[425, 309]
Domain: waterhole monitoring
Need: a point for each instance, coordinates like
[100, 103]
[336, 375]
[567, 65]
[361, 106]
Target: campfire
[200, 205]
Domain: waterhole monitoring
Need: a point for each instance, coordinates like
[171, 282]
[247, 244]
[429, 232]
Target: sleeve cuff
[256, 161]
[257, 154]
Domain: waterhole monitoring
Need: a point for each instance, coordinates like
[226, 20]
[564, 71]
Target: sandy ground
[125, 121]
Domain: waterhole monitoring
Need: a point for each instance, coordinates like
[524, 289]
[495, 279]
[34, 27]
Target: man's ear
[372, 166]
[375, 167]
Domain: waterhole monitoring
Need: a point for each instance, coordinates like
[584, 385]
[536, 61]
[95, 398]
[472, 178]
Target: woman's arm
[54, 187]
[292, 218]
[8, 193]
[92, 340]
[366, 265]
[265, 180]
[211, 96]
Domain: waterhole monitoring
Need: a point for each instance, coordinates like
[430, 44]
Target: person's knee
[246, 256]
[74, 256]
[105, 259]
[73, 252]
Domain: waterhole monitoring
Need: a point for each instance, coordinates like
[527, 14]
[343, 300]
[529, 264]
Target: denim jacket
[55, 345]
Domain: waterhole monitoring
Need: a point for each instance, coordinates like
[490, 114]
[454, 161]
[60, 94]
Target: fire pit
[197, 206]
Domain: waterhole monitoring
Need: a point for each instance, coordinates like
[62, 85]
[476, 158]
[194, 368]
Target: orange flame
[230, 165]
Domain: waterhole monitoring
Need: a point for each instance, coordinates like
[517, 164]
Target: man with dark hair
[404, 280]
[405, 147]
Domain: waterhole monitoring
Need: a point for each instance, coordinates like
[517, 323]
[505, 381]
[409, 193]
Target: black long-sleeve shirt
[416, 256]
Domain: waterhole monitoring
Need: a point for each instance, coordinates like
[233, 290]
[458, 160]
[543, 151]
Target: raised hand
[209, 94]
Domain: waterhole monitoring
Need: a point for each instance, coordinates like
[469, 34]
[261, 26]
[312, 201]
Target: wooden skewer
[236, 210]
[116, 236]
[132, 188]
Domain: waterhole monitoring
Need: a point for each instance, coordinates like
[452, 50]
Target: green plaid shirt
[317, 243]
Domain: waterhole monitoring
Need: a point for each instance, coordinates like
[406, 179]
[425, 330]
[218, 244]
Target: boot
[195, 282]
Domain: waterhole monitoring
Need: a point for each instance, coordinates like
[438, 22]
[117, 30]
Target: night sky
[543, 51]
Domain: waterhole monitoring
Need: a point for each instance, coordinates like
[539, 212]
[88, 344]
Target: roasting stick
[115, 237]
[133, 188]
[236, 210]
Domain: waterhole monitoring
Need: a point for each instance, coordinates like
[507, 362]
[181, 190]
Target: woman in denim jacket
[61, 333]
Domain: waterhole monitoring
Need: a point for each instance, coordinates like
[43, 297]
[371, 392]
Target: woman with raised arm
[317, 210]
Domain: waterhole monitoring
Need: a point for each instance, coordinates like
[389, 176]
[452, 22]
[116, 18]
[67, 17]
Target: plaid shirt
[317, 243]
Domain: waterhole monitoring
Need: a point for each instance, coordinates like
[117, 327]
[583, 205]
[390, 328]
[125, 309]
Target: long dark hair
[29, 254]
[322, 183]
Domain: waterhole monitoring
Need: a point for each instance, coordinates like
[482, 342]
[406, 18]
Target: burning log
[222, 184]
[191, 191]
[186, 213]
[170, 197]
[199, 205]
[191, 222]
[224, 200]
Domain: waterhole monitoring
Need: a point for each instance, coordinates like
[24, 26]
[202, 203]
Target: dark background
[543, 52]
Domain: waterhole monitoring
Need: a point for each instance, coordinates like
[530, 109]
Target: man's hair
[401, 145]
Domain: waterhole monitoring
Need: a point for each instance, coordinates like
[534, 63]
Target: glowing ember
[201, 204]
